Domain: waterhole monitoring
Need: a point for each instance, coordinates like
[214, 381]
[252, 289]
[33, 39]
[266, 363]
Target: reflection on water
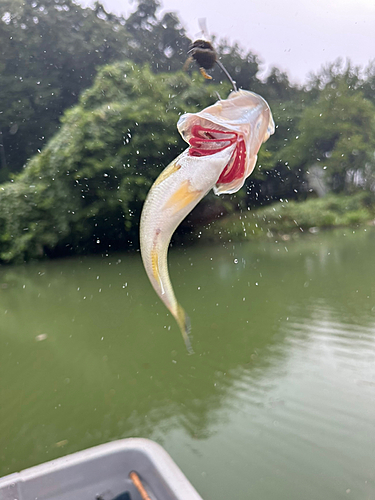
[277, 402]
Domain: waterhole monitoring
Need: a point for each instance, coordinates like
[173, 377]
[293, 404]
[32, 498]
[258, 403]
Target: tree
[337, 132]
[368, 82]
[277, 87]
[162, 43]
[242, 65]
[49, 52]
[85, 190]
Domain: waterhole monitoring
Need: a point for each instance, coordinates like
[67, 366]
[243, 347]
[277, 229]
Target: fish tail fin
[183, 322]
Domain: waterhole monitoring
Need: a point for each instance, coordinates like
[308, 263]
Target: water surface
[278, 400]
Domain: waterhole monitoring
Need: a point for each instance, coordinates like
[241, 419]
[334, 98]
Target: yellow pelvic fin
[155, 264]
[171, 169]
[155, 268]
[182, 197]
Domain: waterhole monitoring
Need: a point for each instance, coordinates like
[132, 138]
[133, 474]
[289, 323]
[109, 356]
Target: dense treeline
[84, 191]
[49, 53]
[76, 164]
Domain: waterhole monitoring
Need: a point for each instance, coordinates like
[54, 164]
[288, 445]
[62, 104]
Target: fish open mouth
[207, 141]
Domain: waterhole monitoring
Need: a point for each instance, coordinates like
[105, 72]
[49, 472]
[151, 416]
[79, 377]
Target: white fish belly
[172, 197]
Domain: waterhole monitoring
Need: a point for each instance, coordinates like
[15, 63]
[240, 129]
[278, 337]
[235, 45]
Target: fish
[224, 140]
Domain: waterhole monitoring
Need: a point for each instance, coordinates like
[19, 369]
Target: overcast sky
[296, 35]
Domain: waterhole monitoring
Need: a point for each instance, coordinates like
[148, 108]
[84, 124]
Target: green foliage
[241, 64]
[367, 84]
[33, 217]
[277, 87]
[316, 212]
[49, 51]
[337, 131]
[84, 191]
[293, 217]
[160, 42]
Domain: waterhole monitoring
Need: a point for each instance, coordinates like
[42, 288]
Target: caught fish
[224, 140]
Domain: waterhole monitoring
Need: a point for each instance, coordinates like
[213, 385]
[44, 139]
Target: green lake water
[278, 401]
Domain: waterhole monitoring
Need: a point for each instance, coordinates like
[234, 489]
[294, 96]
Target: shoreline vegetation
[89, 124]
[288, 219]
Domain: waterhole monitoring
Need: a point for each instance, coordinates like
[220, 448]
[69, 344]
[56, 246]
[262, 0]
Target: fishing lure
[224, 140]
[204, 54]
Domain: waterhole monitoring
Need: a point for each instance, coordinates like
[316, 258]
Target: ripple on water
[316, 410]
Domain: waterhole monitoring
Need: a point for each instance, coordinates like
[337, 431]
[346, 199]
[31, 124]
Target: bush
[84, 192]
[283, 217]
